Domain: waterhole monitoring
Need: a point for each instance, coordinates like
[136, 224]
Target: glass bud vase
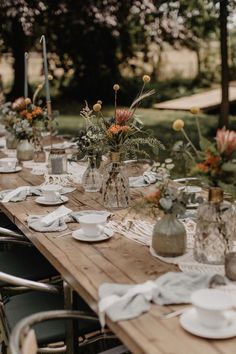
[169, 237]
[214, 230]
[11, 141]
[39, 153]
[92, 178]
[115, 189]
[24, 151]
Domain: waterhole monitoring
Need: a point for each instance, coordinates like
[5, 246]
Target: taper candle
[45, 65]
[26, 75]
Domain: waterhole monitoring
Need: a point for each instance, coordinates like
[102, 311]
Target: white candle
[45, 64]
[26, 76]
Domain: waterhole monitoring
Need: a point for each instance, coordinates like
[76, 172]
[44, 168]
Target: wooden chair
[23, 339]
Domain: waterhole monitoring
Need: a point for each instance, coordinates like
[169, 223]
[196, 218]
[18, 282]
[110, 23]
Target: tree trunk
[18, 49]
[224, 109]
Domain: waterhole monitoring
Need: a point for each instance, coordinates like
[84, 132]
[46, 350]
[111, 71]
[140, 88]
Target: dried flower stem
[198, 128]
[190, 142]
[39, 88]
[115, 102]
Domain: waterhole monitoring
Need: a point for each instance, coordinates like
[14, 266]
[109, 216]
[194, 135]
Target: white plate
[41, 200]
[78, 235]
[18, 168]
[190, 323]
[190, 189]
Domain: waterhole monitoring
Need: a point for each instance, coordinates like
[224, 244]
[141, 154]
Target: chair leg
[72, 332]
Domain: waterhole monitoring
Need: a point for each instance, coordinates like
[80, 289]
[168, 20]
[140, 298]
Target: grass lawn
[160, 121]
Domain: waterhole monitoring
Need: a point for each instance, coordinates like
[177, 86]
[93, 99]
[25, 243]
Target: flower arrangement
[215, 161]
[124, 133]
[90, 140]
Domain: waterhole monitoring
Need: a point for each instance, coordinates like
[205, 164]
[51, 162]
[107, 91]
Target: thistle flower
[178, 125]
[123, 115]
[97, 107]
[116, 87]
[146, 79]
[226, 141]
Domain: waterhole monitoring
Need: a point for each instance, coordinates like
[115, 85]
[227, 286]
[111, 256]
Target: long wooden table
[86, 266]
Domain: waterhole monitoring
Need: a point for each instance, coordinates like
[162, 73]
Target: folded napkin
[124, 302]
[54, 221]
[145, 180]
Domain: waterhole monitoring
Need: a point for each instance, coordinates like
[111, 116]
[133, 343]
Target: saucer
[41, 200]
[190, 323]
[78, 235]
[17, 169]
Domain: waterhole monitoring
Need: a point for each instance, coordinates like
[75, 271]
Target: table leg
[72, 346]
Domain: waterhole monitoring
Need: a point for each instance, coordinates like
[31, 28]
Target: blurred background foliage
[92, 41]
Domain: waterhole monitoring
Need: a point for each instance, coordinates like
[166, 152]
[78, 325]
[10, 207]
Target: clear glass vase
[169, 237]
[214, 230]
[115, 189]
[39, 153]
[92, 178]
[24, 151]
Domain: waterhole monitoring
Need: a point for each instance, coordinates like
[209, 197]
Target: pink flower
[226, 141]
[123, 115]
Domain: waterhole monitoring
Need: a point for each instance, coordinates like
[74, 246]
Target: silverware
[172, 314]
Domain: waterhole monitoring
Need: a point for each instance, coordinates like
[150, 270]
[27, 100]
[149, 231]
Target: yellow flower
[40, 86]
[97, 107]
[178, 124]
[99, 101]
[116, 87]
[146, 78]
[194, 110]
[27, 101]
[50, 77]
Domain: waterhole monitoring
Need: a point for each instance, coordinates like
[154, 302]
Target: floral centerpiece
[90, 142]
[124, 138]
[169, 234]
[214, 161]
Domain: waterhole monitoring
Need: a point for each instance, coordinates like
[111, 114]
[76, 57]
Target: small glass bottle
[214, 229]
[92, 178]
[115, 189]
[57, 162]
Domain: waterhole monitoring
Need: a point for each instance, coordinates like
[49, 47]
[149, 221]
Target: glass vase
[11, 141]
[115, 189]
[214, 230]
[169, 237]
[24, 151]
[39, 153]
[92, 178]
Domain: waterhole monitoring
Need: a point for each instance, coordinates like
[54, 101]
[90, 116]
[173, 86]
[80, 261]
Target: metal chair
[23, 339]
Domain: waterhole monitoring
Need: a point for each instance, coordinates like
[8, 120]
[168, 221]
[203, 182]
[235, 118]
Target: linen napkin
[124, 302]
[54, 221]
[145, 180]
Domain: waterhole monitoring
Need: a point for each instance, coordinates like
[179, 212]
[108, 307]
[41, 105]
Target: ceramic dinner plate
[190, 323]
[62, 200]
[79, 235]
[17, 169]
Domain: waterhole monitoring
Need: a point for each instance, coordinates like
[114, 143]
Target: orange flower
[123, 115]
[202, 167]
[116, 129]
[153, 197]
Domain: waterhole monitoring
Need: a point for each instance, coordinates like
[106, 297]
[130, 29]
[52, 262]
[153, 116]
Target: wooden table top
[86, 266]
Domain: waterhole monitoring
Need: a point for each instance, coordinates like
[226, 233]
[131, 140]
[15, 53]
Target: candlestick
[26, 75]
[45, 65]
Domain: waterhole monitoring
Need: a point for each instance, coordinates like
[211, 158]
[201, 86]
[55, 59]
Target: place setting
[9, 165]
[52, 194]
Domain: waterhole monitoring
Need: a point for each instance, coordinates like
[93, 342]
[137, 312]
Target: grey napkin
[124, 302]
[145, 180]
[21, 193]
[35, 223]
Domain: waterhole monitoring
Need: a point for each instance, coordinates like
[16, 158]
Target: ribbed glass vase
[92, 178]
